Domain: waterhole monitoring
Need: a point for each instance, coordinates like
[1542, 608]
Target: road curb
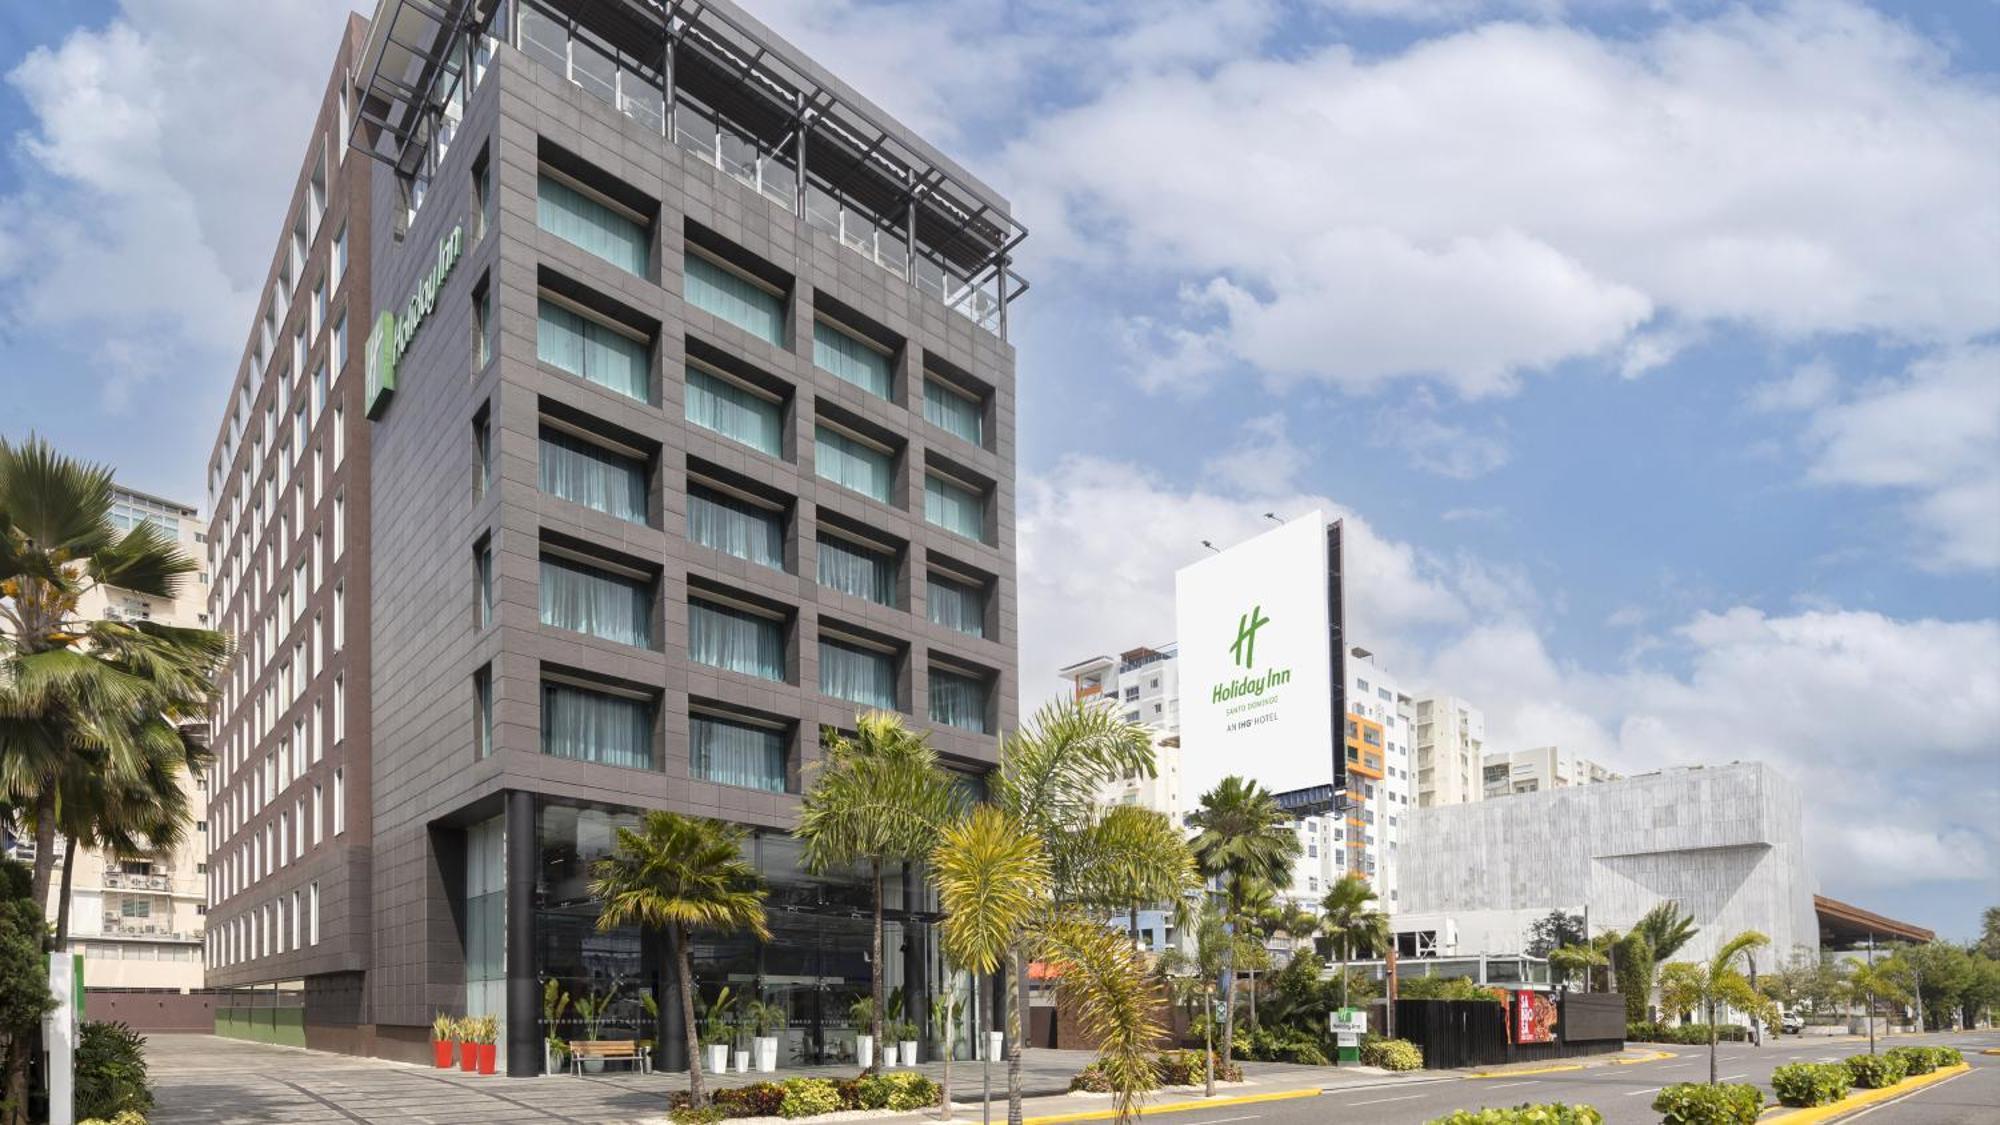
[1173, 1107]
[1651, 1056]
[1812, 1114]
[1519, 1073]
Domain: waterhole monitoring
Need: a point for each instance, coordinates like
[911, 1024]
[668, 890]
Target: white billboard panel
[1256, 663]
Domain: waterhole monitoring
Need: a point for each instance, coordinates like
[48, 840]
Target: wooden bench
[609, 1050]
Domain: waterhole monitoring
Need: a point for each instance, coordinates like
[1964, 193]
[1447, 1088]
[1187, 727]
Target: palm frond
[992, 876]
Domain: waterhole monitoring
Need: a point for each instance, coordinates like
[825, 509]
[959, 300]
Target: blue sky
[1652, 349]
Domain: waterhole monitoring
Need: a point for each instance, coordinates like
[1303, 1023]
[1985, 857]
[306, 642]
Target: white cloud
[1809, 386]
[1437, 446]
[1265, 459]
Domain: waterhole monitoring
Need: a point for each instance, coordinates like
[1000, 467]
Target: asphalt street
[1624, 1094]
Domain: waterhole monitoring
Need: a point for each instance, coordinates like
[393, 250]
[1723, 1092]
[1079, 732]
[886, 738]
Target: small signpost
[1348, 1026]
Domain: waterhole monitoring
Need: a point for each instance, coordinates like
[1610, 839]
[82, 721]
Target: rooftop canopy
[1843, 926]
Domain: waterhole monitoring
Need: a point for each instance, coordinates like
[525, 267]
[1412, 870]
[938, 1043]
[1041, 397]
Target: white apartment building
[1367, 840]
[1144, 683]
[1450, 741]
[1544, 767]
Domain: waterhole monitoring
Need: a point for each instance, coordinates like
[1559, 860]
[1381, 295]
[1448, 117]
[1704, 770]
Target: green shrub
[1873, 1072]
[1174, 1068]
[1948, 1056]
[127, 1117]
[1684, 1035]
[1286, 1044]
[903, 1090]
[1443, 988]
[1548, 1113]
[1803, 1084]
[1698, 1103]
[1392, 1054]
[809, 1097]
[111, 1072]
[759, 1099]
[687, 1115]
[1914, 1060]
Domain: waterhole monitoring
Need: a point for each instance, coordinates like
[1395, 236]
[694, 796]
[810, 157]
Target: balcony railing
[124, 881]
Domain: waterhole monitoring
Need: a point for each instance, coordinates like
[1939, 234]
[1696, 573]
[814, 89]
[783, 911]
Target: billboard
[1259, 677]
[1535, 1017]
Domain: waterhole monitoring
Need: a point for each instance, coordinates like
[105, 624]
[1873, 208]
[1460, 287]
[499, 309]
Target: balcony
[122, 881]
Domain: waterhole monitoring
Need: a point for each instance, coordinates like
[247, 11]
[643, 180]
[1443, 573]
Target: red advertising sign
[1534, 1017]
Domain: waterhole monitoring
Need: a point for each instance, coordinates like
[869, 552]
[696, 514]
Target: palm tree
[1685, 986]
[681, 874]
[135, 816]
[1100, 976]
[1666, 928]
[1875, 981]
[992, 876]
[72, 686]
[1348, 916]
[1578, 961]
[1138, 858]
[1242, 838]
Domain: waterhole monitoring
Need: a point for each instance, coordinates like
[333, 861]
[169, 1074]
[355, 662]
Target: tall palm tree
[993, 879]
[72, 686]
[1578, 961]
[1686, 986]
[1666, 928]
[1101, 978]
[1138, 858]
[1348, 916]
[1875, 982]
[127, 816]
[681, 874]
[1243, 838]
[877, 798]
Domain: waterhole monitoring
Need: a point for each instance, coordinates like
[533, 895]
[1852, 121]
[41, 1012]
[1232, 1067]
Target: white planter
[767, 1054]
[888, 1055]
[909, 1052]
[718, 1058]
[742, 1062]
[864, 1050]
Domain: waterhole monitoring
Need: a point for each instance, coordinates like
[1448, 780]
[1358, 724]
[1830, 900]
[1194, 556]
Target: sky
[1650, 350]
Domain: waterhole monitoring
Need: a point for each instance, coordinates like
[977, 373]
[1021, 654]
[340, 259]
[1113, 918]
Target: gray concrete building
[1723, 841]
[690, 416]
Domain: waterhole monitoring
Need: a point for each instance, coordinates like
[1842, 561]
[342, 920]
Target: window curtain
[584, 222]
[735, 299]
[737, 754]
[593, 476]
[956, 606]
[954, 413]
[589, 601]
[737, 528]
[590, 726]
[592, 351]
[858, 675]
[734, 412]
[736, 641]
[958, 701]
[954, 508]
[852, 570]
[850, 464]
[484, 565]
[850, 359]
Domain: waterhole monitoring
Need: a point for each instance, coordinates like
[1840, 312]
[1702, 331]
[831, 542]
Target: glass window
[851, 463]
[483, 564]
[958, 701]
[482, 696]
[736, 527]
[858, 675]
[853, 569]
[734, 298]
[590, 224]
[587, 600]
[954, 412]
[591, 350]
[593, 726]
[954, 508]
[735, 412]
[851, 359]
[736, 753]
[593, 476]
[736, 640]
[956, 605]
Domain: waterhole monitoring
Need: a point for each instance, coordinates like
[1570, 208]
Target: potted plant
[468, 1047]
[652, 1007]
[485, 1037]
[742, 1051]
[908, 1031]
[591, 1010]
[900, 1031]
[555, 1050]
[442, 1029]
[715, 1031]
[764, 1019]
[862, 1014]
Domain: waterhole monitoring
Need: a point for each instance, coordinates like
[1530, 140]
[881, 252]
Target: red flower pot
[441, 1053]
[488, 1053]
[468, 1057]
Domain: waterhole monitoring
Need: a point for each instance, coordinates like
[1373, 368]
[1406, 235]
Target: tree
[1708, 985]
[877, 798]
[1804, 983]
[1989, 934]
[1099, 975]
[24, 986]
[1139, 858]
[1667, 930]
[1577, 961]
[1348, 916]
[1873, 983]
[1939, 974]
[681, 874]
[1559, 928]
[1243, 838]
[1634, 973]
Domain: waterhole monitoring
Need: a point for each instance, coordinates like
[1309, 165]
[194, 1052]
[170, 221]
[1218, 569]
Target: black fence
[1461, 1033]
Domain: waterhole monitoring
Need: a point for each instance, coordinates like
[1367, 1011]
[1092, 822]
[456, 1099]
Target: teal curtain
[858, 675]
[850, 359]
[851, 464]
[592, 351]
[736, 753]
[954, 508]
[736, 641]
[590, 726]
[593, 476]
[955, 605]
[736, 527]
[752, 308]
[953, 412]
[854, 570]
[583, 599]
[578, 219]
[958, 701]
[734, 412]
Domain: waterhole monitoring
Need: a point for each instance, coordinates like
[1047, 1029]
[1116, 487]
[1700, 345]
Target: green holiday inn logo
[392, 333]
[1243, 654]
[1244, 651]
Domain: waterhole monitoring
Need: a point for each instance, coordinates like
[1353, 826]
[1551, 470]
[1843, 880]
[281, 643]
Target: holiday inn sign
[393, 333]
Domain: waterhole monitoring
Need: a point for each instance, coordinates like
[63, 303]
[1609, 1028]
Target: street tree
[1552, 931]
[1872, 984]
[1350, 917]
[1709, 985]
[1243, 839]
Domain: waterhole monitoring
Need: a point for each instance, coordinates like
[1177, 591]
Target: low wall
[152, 1012]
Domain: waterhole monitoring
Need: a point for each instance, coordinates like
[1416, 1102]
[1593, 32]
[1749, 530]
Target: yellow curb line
[1852, 1102]
[1991, 1051]
[1655, 1056]
[1173, 1107]
[1513, 1073]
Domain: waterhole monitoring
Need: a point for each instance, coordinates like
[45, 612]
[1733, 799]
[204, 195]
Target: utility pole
[1871, 996]
[1756, 1025]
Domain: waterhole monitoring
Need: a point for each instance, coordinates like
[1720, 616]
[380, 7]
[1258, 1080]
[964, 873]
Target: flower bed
[1547, 1113]
[810, 1097]
[1174, 1068]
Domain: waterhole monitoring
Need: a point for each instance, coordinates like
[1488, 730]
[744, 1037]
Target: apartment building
[1144, 685]
[1366, 839]
[1450, 740]
[1544, 767]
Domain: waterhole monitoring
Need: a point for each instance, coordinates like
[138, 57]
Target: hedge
[1174, 1068]
[804, 1097]
[1684, 1035]
[1392, 1054]
[1915, 1060]
[1698, 1103]
[1873, 1072]
[1548, 1113]
[1803, 1084]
